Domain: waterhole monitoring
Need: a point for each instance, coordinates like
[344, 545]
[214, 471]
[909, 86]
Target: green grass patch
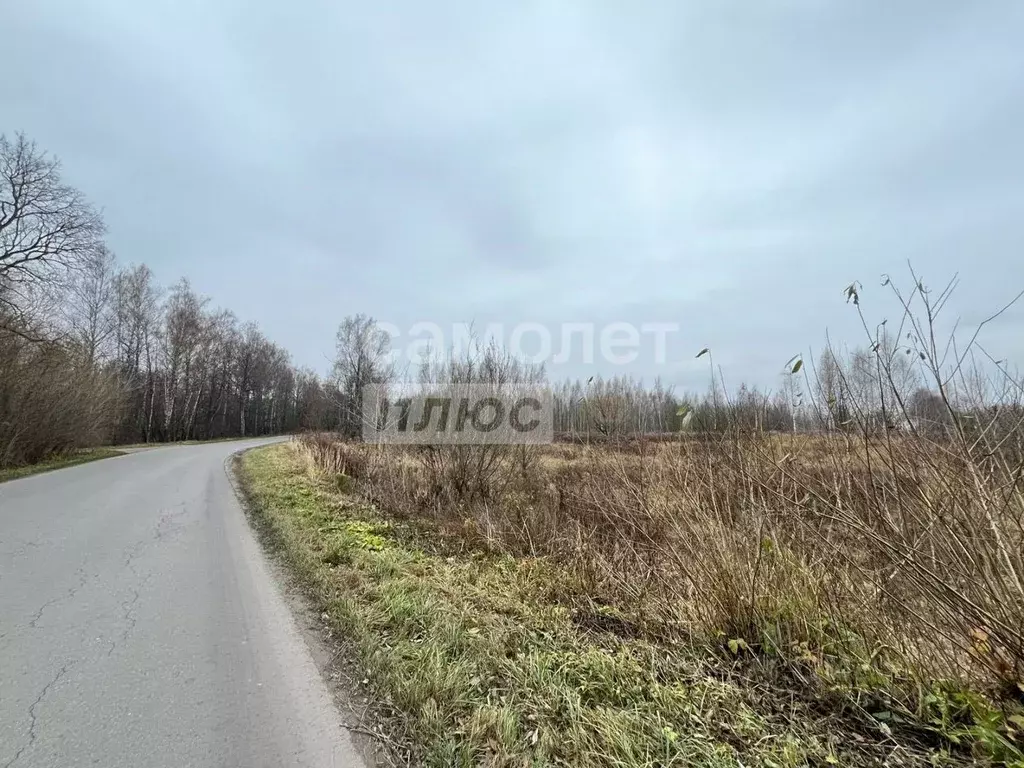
[488, 660]
[58, 462]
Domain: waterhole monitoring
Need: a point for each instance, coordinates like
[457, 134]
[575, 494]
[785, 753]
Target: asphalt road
[140, 625]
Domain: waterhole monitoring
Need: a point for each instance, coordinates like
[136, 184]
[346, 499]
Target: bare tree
[89, 353]
[183, 327]
[136, 320]
[361, 360]
[89, 305]
[832, 392]
[46, 227]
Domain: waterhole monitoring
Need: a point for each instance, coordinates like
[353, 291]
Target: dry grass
[495, 660]
[58, 462]
[871, 575]
[875, 577]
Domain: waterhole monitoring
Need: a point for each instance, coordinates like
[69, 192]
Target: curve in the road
[140, 625]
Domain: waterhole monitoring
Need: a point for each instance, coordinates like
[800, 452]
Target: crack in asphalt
[83, 579]
[20, 550]
[32, 714]
[167, 517]
[131, 554]
[164, 528]
[128, 606]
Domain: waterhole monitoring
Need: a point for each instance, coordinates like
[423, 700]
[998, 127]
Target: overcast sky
[728, 166]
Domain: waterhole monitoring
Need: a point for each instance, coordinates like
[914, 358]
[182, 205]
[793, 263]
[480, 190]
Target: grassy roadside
[501, 661]
[94, 454]
[61, 462]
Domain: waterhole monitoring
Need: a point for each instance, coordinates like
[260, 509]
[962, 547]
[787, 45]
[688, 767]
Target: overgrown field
[746, 599]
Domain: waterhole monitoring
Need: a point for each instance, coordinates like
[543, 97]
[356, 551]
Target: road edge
[333, 655]
[12, 474]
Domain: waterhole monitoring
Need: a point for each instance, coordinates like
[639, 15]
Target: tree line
[94, 352]
[888, 384]
[877, 388]
[869, 390]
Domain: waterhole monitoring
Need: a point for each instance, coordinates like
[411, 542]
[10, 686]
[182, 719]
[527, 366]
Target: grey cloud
[727, 166]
